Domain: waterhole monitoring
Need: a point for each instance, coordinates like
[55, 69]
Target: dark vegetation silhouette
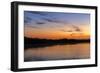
[37, 43]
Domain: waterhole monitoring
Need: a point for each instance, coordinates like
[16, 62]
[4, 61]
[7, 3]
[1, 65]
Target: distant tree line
[36, 42]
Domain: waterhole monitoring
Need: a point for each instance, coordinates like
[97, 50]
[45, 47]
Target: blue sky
[57, 16]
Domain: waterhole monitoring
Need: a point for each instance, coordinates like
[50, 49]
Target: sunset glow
[56, 25]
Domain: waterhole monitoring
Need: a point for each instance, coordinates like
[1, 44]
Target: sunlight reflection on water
[58, 52]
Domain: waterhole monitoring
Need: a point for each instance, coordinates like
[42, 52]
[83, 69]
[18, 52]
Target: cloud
[73, 28]
[55, 20]
[63, 30]
[76, 28]
[74, 33]
[43, 18]
[40, 23]
[27, 19]
[32, 26]
[69, 31]
[51, 20]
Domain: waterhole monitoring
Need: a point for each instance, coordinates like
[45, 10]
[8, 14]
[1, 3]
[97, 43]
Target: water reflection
[58, 52]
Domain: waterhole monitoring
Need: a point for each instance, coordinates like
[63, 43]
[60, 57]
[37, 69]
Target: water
[58, 52]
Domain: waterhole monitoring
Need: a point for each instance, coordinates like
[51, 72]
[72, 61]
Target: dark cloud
[27, 19]
[63, 30]
[50, 20]
[40, 23]
[55, 20]
[76, 28]
[73, 33]
[73, 29]
[69, 31]
[32, 26]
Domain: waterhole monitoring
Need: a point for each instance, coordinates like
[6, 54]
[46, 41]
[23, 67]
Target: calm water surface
[58, 52]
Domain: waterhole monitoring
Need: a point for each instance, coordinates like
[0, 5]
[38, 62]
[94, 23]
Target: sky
[56, 25]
